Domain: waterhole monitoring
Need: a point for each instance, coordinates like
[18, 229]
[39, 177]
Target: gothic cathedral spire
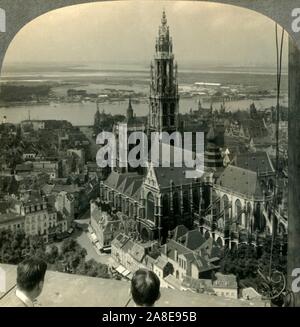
[129, 112]
[164, 98]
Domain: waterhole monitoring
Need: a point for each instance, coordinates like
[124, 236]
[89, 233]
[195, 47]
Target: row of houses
[32, 215]
[187, 261]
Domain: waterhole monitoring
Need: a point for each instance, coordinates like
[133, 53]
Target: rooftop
[10, 217]
[258, 162]
[241, 180]
[66, 290]
[127, 183]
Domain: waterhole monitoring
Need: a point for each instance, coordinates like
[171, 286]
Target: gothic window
[130, 210]
[172, 120]
[166, 205]
[165, 109]
[165, 120]
[145, 234]
[226, 207]
[248, 214]
[176, 205]
[196, 198]
[216, 202]
[270, 185]
[150, 207]
[186, 204]
[172, 109]
[238, 211]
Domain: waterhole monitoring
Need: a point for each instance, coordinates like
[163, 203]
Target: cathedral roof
[165, 175]
[125, 183]
[259, 162]
[240, 180]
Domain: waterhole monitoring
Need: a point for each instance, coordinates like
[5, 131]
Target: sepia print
[144, 146]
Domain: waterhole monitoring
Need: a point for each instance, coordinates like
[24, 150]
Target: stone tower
[129, 112]
[97, 121]
[213, 156]
[164, 98]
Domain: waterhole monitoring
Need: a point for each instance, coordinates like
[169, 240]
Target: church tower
[129, 112]
[213, 156]
[97, 121]
[164, 98]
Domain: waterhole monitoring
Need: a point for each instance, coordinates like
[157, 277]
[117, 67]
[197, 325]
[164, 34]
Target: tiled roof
[128, 246]
[126, 183]
[172, 246]
[201, 263]
[67, 188]
[165, 175]
[211, 249]
[161, 262]
[114, 179]
[240, 180]
[257, 162]
[192, 239]
[134, 187]
[32, 199]
[137, 252]
[179, 231]
[120, 240]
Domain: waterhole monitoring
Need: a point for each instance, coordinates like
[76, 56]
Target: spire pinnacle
[164, 18]
[129, 103]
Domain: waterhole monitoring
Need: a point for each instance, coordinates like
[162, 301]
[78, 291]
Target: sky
[125, 31]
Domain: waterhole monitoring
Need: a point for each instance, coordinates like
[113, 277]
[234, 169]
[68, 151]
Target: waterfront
[128, 80]
[83, 113]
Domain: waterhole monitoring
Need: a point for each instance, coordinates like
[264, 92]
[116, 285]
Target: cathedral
[164, 98]
[227, 203]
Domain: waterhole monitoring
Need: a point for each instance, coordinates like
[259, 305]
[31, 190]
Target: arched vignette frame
[18, 14]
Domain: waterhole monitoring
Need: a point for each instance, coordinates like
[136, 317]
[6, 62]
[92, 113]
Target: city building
[31, 215]
[65, 204]
[104, 226]
[12, 221]
[226, 203]
[164, 98]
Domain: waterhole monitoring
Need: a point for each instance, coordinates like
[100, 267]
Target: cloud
[126, 31]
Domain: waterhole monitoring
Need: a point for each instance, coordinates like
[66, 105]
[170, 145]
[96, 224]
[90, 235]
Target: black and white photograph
[149, 154]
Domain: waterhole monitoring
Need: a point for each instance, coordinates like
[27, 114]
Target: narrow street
[81, 236]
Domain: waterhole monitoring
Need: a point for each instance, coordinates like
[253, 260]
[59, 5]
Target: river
[83, 113]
